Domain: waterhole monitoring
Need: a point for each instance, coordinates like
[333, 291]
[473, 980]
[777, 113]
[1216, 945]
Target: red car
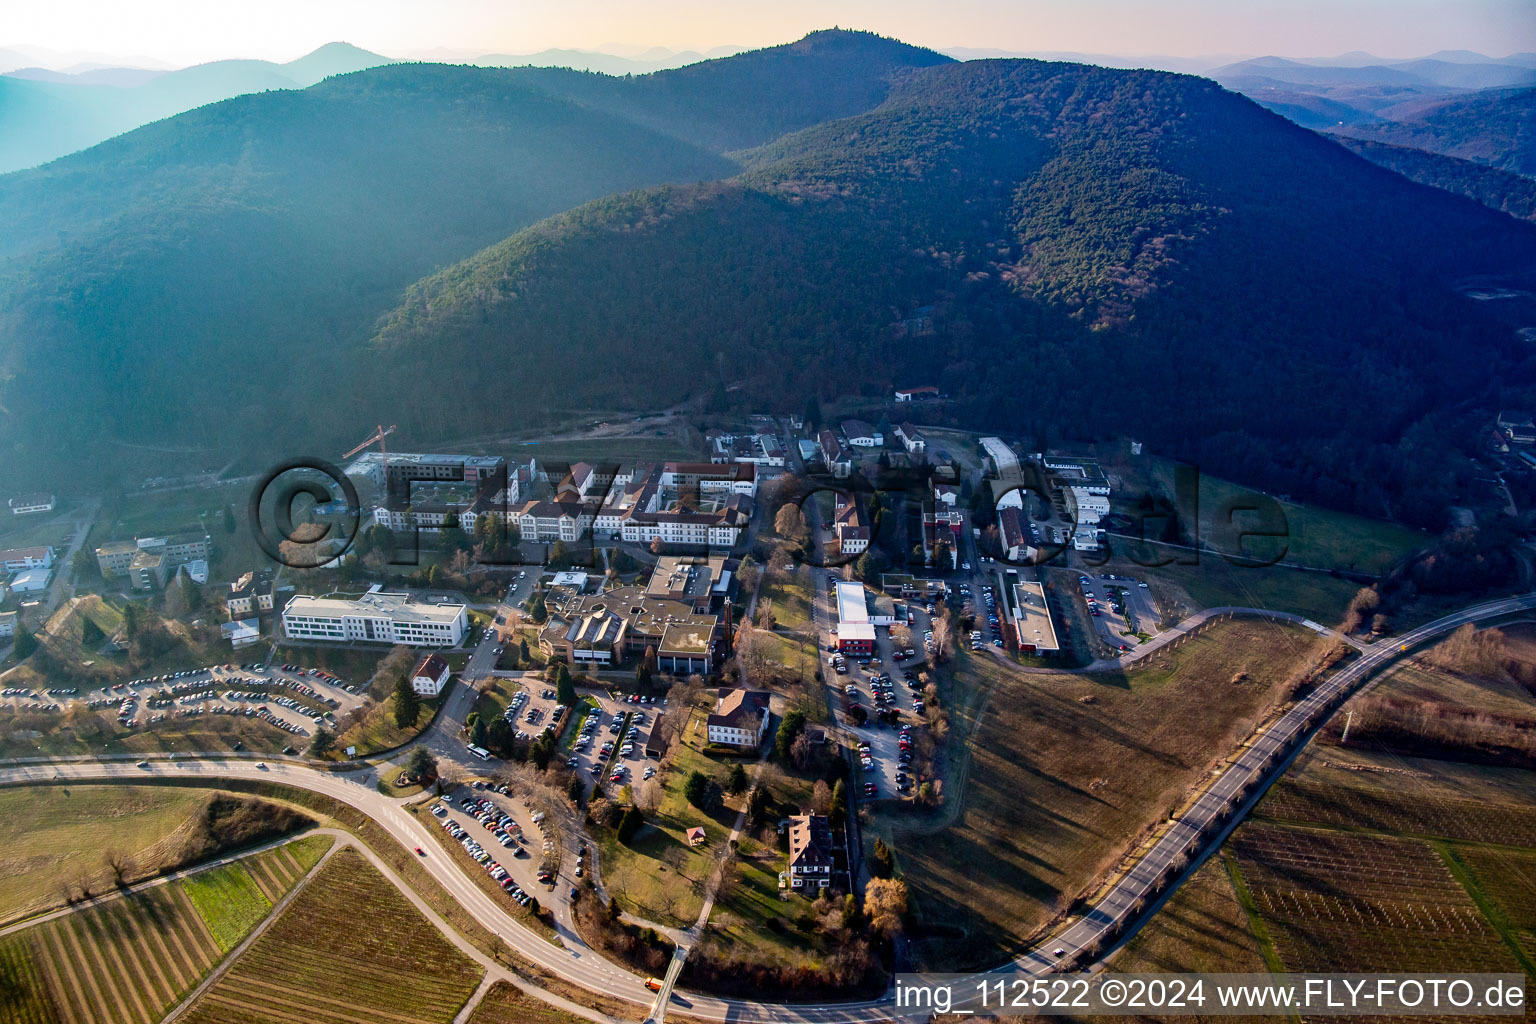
[420, 852]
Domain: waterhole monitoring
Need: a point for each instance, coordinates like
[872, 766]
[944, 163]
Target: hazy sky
[187, 31]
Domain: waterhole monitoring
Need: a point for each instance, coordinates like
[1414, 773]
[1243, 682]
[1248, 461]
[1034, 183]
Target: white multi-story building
[375, 617]
[740, 718]
[431, 676]
[22, 559]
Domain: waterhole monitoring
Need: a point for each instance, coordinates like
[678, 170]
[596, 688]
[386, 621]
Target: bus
[480, 752]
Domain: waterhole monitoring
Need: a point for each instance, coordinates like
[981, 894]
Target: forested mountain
[1494, 127]
[1514, 194]
[212, 278]
[1107, 252]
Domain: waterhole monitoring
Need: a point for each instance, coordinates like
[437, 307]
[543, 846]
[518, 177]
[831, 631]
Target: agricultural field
[55, 834]
[1355, 789]
[1064, 773]
[1334, 901]
[507, 1004]
[229, 900]
[1365, 862]
[349, 948]
[129, 960]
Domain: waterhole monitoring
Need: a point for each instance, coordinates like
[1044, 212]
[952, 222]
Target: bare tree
[120, 864]
[789, 523]
[675, 858]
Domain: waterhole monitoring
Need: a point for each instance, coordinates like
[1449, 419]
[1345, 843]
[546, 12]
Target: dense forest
[1514, 194]
[1106, 252]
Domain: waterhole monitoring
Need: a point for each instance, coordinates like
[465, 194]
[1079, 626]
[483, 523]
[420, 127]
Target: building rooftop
[432, 666]
[376, 605]
[810, 841]
[1034, 617]
[851, 604]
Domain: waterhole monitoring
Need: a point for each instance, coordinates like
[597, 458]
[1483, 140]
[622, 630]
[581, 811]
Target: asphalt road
[1239, 785]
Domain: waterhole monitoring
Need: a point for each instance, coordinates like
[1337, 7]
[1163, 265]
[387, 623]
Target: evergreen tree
[738, 779]
[229, 518]
[565, 690]
[26, 643]
[407, 703]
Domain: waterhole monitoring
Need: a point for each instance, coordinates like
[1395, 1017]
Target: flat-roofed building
[148, 571]
[114, 557]
[1032, 619]
[684, 640]
[855, 630]
[703, 581]
[376, 617]
[8, 623]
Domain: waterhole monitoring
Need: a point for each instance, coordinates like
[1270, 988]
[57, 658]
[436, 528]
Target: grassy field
[52, 834]
[59, 735]
[229, 900]
[1315, 536]
[1203, 927]
[1067, 771]
[349, 948]
[791, 603]
[1215, 583]
[130, 960]
[378, 730]
[507, 1004]
[658, 876]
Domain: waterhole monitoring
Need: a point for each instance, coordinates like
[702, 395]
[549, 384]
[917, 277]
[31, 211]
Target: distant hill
[45, 115]
[1358, 89]
[1496, 128]
[1107, 252]
[215, 275]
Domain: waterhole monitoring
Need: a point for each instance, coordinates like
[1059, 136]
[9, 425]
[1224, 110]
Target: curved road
[1236, 788]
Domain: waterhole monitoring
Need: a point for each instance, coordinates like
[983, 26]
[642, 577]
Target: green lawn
[791, 603]
[642, 876]
[1315, 536]
[229, 900]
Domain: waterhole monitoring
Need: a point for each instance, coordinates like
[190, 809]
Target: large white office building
[375, 618]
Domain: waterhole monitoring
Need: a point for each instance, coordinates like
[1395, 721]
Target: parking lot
[293, 699]
[510, 841]
[1119, 605]
[612, 725]
[880, 684]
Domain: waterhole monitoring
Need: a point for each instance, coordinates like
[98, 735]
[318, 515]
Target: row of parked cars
[994, 623]
[498, 873]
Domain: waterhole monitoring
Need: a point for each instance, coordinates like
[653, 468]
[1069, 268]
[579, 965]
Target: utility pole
[1349, 719]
